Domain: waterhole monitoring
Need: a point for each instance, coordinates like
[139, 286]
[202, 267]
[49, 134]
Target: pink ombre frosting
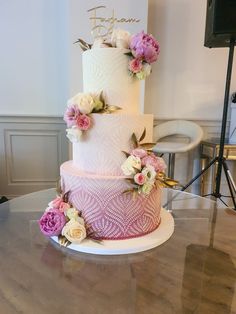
[110, 213]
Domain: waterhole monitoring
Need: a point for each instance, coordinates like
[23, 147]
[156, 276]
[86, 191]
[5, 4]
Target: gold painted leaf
[84, 46]
[101, 98]
[142, 137]
[147, 145]
[126, 154]
[131, 180]
[112, 108]
[58, 187]
[63, 241]
[134, 140]
[171, 182]
[128, 191]
[66, 197]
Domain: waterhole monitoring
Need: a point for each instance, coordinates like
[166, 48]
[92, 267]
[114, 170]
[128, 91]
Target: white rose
[146, 188]
[84, 102]
[130, 165]
[73, 134]
[149, 173]
[74, 231]
[120, 38]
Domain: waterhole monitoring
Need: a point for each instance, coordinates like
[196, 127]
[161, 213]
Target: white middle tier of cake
[99, 150]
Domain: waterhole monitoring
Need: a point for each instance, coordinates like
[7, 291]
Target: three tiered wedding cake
[111, 187]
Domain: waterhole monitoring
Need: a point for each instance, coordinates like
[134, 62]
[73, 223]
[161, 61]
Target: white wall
[37, 59]
[33, 54]
[189, 79]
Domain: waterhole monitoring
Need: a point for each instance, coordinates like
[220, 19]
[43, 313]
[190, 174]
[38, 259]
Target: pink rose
[59, 204]
[139, 178]
[52, 222]
[83, 122]
[156, 162]
[135, 65]
[56, 202]
[71, 115]
[139, 152]
[63, 207]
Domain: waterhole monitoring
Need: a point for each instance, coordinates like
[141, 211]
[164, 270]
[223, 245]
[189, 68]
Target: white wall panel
[31, 152]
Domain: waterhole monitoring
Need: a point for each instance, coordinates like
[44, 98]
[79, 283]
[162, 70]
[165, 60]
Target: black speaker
[220, 23]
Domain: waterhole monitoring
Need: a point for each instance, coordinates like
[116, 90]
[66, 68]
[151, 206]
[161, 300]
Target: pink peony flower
[83, 122]
[52, 222]
[139, 178]
[150, 54]
[156, 162]
[139, 152]
[135, 65]
[71, 115]
[144, 47]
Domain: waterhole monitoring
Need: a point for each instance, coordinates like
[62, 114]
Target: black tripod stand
[220, 159]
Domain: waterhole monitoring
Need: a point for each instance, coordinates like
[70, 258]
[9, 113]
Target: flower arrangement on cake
[145, 170]
[78, 113]
[142, 49]
[63, 220]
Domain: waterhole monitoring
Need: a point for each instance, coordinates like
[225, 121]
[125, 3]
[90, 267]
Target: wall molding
[32, 150]
[45, 127]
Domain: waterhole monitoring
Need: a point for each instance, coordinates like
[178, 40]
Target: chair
[176, 127]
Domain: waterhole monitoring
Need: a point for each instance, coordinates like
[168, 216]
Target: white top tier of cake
[106, 70]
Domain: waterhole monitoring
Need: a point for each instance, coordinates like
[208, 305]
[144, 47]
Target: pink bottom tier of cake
[110, 213]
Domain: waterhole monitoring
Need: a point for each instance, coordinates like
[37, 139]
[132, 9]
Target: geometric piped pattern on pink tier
[109, 213]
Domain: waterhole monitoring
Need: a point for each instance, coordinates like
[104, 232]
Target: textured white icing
[106, 69]
[100, 148]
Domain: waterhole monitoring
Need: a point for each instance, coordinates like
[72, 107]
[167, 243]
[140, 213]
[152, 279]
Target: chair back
[180, 127]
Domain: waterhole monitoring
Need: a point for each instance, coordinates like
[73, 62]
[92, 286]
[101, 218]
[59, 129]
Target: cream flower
[74, 231]
[146, 188]
[72, 213]
[149, 173]
[120, 38]
[84, 101]
[131, 165]
[73, 134]
[146, 70]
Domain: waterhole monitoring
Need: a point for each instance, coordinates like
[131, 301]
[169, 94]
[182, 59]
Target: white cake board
[135, 245]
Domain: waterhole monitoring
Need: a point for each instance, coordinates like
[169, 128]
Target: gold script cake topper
[103, 26]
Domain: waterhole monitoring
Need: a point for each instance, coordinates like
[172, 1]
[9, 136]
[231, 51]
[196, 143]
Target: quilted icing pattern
[107, 70]
[109, 213]
[100, 150]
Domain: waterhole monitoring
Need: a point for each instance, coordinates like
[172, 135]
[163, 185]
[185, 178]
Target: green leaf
[143, 135]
